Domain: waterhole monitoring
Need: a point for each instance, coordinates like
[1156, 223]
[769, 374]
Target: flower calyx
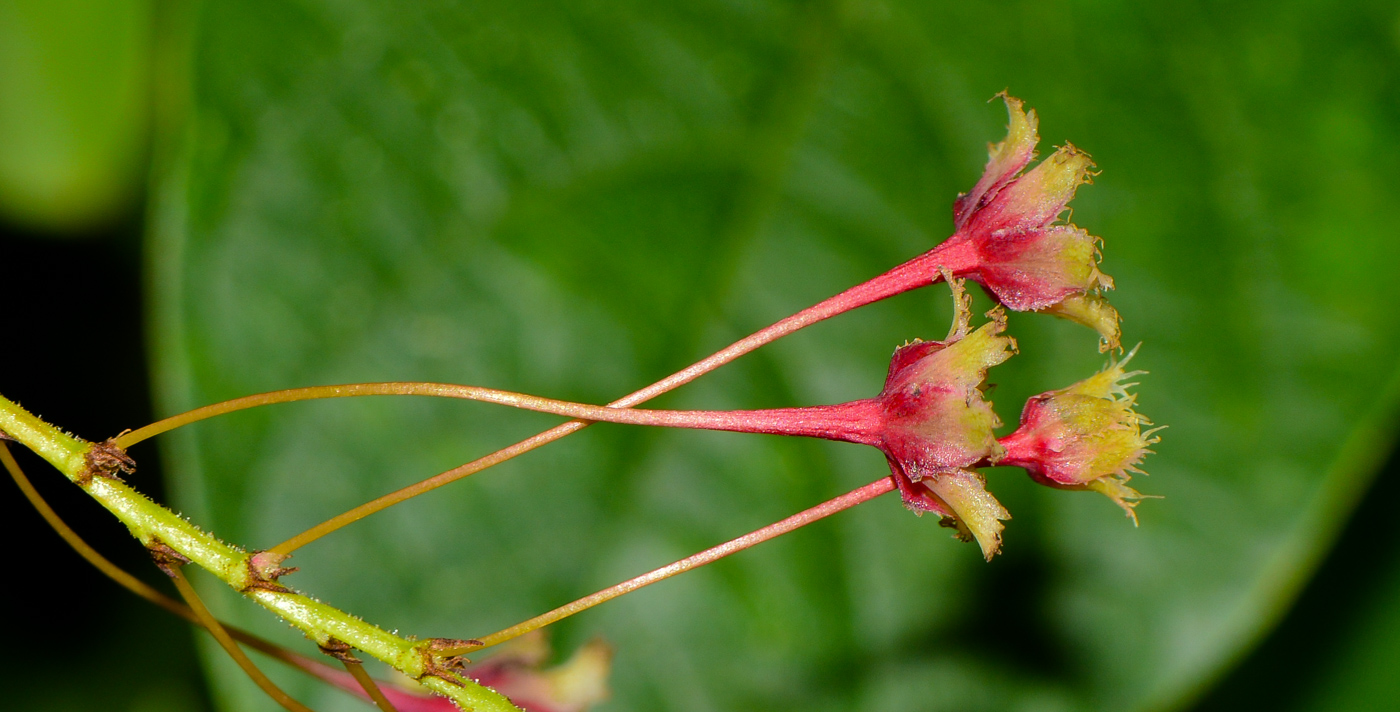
[1022, 257]
[1085, 437]
[938, 425]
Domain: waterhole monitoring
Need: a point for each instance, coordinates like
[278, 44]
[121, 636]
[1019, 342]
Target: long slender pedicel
[758, 536]
[226, 642]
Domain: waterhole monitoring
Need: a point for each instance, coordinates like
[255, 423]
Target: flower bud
[1086, 437]
[1026, 261]
[937, 424]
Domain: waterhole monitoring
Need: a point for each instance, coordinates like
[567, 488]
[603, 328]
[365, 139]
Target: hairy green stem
[120, 576]
[140, 588]
[169, 536]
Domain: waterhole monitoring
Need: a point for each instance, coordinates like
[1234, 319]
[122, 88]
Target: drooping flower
[1085, 437]
[930, 420]
[936, 424]
[1009, 241]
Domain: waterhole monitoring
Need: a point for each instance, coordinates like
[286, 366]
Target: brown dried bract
[263, 571]
[448, 667]
[166, 558]
[338, 649]
[105, 459]
[6, 436]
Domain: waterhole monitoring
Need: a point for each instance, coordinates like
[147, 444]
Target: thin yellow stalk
[368, 684]
[226, 641]
[758, 536]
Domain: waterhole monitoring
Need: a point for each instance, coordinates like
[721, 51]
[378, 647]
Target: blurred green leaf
[575, 200]
[74, 109]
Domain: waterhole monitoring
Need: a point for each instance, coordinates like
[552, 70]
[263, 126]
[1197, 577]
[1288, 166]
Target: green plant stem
[98, 561]
[758, 536]
[142, 589]
[155, 526]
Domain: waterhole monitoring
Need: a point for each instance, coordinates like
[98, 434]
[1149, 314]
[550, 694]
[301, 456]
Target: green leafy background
[575, 199]
[75, 81]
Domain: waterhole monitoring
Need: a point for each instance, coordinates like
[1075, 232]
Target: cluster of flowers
[932, 420]
[936, 424]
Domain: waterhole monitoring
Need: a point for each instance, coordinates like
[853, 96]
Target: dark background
[132, 655]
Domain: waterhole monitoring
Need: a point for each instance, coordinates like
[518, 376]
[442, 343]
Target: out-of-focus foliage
[74, 108]
[574, 199]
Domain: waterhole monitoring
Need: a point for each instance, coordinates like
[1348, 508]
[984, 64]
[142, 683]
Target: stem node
[105, 459]
[340, 650]
[264, 568]
[167, 558]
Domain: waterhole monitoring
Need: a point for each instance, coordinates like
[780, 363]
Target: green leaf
[577, 199]
[74, 109]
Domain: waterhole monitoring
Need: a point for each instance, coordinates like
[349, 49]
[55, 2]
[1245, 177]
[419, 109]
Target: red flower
[930, 420]
[936, 425]
[1085, 437]
[1007, 240]
[1022, 257]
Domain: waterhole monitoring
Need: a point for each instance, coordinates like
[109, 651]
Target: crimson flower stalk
[930, 420]
[936, 427]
